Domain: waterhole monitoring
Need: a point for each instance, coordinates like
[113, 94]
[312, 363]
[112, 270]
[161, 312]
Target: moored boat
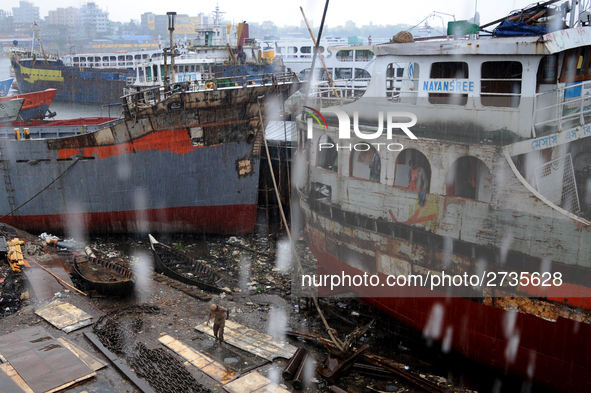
[5, 86]
[180, 160]
[36, 104]
[10, 109]
[463, 198]
[179, 266]
[105, 277]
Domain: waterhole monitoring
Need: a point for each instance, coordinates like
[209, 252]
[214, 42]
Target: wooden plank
[11, 373]
[254, 382]
[91, 361]
[211, 367]
[141, 385]
[64, 315]
[251, 340]
[41, 361]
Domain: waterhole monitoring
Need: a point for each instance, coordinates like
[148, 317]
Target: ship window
[343, 73]
[319, 74]
[363, 55]
[361, 73]
[575, 67]
[468, 177]
[345, 55]
[306, 49]
[327, 157]
[393, 71]
[365, 163]
[448, 83]
[501, 83]
[547, 71]
[404, 170]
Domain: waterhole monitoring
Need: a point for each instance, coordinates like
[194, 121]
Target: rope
[43, 189]
[331, 332]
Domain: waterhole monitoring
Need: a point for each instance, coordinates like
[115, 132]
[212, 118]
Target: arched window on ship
[365, 163]
[327, 155]
[468, 177]
[413, 170]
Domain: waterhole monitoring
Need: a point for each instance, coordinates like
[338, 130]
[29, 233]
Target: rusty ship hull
[183, 163]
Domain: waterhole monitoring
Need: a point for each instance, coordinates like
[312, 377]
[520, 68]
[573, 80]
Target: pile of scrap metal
[356, 359]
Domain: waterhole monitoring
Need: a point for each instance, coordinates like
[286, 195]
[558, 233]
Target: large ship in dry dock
[464, 196]
[180, 160]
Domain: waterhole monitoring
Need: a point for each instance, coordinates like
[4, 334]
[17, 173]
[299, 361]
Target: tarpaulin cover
[515, 29]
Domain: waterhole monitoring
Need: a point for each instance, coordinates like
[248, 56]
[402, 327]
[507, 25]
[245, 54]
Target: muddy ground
[261, 299]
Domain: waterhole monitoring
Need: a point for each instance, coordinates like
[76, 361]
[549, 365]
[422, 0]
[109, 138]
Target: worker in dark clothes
[220, 314]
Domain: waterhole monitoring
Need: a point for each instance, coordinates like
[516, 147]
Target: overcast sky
[283, 12]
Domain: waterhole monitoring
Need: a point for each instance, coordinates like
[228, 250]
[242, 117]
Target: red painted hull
[235, 219]
[35, 104]
[555, 355]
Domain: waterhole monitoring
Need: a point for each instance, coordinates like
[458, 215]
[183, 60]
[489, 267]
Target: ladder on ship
[7, 181]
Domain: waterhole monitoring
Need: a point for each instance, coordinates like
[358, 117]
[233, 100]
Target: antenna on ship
[37, 36]
[217, 15]
[171, 17]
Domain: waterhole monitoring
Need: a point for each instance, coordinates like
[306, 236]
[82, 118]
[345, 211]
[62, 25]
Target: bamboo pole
[330, 81]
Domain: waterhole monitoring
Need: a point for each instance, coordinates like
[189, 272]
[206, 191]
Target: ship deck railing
[342, 92]
[145, 98]
[554, 110]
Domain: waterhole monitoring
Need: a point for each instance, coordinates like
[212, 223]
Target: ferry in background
[479, 170]
[219, 51]
[349, 61]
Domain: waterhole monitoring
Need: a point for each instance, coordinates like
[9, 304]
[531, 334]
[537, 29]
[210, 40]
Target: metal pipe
[299, 377]
[293, 364]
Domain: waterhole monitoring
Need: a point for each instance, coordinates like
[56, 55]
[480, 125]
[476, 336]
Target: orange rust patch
[67, 153]
[176, 141]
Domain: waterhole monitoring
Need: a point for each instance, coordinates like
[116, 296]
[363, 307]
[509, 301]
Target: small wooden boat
[185, 269]
[105, 277]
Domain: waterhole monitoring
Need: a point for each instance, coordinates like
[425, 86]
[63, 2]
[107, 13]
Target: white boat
[486, 248]
[10, 109]
[348, 65]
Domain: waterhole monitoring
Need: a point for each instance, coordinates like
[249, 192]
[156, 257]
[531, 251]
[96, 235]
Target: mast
[171, 18]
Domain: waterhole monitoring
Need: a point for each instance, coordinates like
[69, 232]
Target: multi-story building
[93, 19]
[64, 17]
[25, 14]
[5, 21]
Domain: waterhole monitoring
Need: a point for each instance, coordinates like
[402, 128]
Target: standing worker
[220, 314]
